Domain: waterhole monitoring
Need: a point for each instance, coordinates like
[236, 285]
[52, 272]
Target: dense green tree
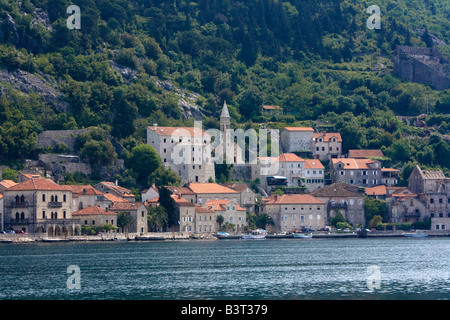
[143, 160]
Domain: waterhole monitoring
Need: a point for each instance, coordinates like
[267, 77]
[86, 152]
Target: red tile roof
[350, 163]
[220, 205]
[292, 199]
[38, 184]
[200, 209]
[129, 206]
[304, 129]
[327, 136]
[380, 190]
[209, 188]
[313, 164]
[90, 211]
[290, 157]
[178, 131]
[7, 183]
[83, 189]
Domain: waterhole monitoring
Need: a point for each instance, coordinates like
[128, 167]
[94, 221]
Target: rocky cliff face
[30, 83]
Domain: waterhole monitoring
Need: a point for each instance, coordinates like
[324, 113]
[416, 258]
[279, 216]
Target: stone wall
[410, 65]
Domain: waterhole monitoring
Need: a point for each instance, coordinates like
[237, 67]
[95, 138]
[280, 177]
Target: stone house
[84, 196]
[40, 205]
[138, 212]
[294, 211]
[185, 150]
[247, 195]
[204, 192]
[314, 174]
[297, 139]
[115, 189]
[358, 172]
[327, 145]
[405, 206]
[205, 220]
[186, 214]
[344, 198]
[434, 187]
[231, 211]
[95, 216]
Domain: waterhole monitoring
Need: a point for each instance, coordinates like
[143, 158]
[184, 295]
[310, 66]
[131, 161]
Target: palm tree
[263, 219]
[157, 218]
[124, 220]
[220, 220]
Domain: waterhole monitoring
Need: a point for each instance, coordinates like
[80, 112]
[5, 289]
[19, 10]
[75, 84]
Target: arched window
[43, 197]
[17, 198]
[52, 199]
[17, 215]
[22, 198]
[56, 198]
[22, 215]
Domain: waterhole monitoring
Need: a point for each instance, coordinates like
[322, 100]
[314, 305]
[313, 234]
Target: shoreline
[169, 236]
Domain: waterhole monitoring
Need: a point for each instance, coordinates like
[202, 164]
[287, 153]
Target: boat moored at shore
[257, 234]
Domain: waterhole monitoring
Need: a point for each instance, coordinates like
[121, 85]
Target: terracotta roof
[220, 205]
[239, 187]
[389, 170]
[305, 129]
[350, 163]
[292, 199]
[83, 189]
[1, 196]
[38, 184]
[179, 200]
[90, 211]
[380, 190]
[117, 206]
[313, 164]
[200, 209]
[124, 191]
[337, 190]
[365, 153]
[180, 190]
[113, 198]
[327, 136]
[289, 157]
[7, 183]
[178, 131]
[209, 188]
[271, 107]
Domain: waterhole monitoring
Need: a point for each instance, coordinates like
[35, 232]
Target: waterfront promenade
[168, 236]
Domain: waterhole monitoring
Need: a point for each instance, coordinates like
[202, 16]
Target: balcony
[19, 221]
[19, 204]
[54, 205]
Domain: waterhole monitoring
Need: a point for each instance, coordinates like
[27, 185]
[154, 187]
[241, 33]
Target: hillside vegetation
[131, 61]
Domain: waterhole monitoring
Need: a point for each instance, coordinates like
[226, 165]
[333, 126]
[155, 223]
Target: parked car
[306, 230]
[20, 231]
[10, 232]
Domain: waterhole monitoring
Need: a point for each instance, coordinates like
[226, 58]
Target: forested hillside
[130, 62]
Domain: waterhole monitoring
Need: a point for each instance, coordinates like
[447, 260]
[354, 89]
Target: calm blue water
[235, 269]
